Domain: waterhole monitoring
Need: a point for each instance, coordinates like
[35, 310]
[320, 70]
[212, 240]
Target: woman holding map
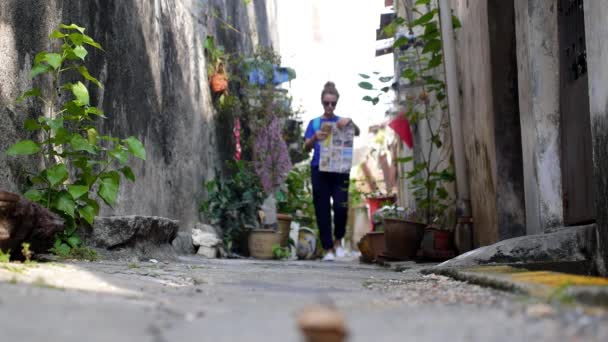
[331, 138]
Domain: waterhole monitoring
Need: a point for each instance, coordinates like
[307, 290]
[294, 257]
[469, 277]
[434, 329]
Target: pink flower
[271, 157]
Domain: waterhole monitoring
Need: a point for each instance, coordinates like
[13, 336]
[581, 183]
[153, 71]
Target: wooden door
[577, 172]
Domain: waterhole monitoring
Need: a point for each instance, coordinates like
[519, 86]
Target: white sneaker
[340, 252]
[329, 256]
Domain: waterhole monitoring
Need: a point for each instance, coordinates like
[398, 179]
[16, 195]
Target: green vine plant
[79, 166]
[431, 168]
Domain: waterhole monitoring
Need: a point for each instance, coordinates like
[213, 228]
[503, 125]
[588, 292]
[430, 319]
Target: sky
[333, 40]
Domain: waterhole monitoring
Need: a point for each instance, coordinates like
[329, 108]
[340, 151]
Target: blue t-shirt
[310, 131]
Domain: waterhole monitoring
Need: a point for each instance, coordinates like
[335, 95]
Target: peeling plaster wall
[475, 77]
[155, 86]
[488, 87]
[597, 51]
[538, 65]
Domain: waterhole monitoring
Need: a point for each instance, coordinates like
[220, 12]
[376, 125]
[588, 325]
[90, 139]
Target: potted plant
[272, 165]
[402, 232]
[233, 203]
[424, 109]
[376, 200]
[216, 59]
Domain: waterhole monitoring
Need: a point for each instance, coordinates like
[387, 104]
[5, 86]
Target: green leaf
[122, 156]
[405, 159]
[23, 148]
[437, 141]
[56, 34]
[367, 98]
[74, 241]
[74, 108]
[61, 136]
[433, 45]
[456, 22]
[422, 2]
[76, 38]
[31, 125]
[410, 74]
[93, 204]
[65, 204]
[92, 136]
[39, 69]
[81, 93]
[57, 174]
[54, 60]
[39, 57]
[425, 18]
[77, 191]
[87, 213]
[128, 173]
[33, 195]
[89, 41]
[95, 111]
[108, 189]
[364, 76]
[385, 79]
[431, 30]
[30, 93]
[72, 27]
[386, 89]
[375, 101]
[80, 52]
[136, 147]
[400, 42]
[366, 85]
[435, 61]
[62, 249]
[85, 73]
[81, 144]
[55, 124]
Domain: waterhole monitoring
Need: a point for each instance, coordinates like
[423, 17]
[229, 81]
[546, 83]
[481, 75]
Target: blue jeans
[326, 186]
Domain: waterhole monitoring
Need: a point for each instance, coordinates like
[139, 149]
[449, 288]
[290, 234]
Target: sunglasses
[327, 103]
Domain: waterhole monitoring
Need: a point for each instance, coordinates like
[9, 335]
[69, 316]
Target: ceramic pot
[402, 238]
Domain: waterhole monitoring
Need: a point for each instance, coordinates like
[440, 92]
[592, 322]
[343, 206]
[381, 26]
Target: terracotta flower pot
[261, 242]
[219, 82]
[402, 238]
[284, 221]
[377, 243]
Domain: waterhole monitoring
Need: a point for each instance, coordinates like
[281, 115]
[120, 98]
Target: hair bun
[330, 86]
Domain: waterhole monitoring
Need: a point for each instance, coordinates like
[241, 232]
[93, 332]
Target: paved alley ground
[244, 300]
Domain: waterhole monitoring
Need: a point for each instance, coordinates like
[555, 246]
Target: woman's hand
[343, 122]
[320, 135]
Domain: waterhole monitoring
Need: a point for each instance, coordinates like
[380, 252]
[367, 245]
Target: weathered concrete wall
[597, 51]
[488, 86]
[475, 76]
[155, 85]
[538, 65]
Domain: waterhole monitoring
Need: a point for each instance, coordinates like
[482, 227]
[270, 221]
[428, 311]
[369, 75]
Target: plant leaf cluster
[426, 106]
[232, 203]
[79, 165]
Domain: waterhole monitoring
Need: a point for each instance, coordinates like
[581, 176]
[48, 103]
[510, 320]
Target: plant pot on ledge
[261, 242]
[437, 244]
[284, 221]
[402, 238]
[219, 81]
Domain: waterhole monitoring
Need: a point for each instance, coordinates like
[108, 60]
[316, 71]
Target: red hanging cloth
[402, 127]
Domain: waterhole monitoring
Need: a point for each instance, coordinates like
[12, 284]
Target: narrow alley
[314, 171]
